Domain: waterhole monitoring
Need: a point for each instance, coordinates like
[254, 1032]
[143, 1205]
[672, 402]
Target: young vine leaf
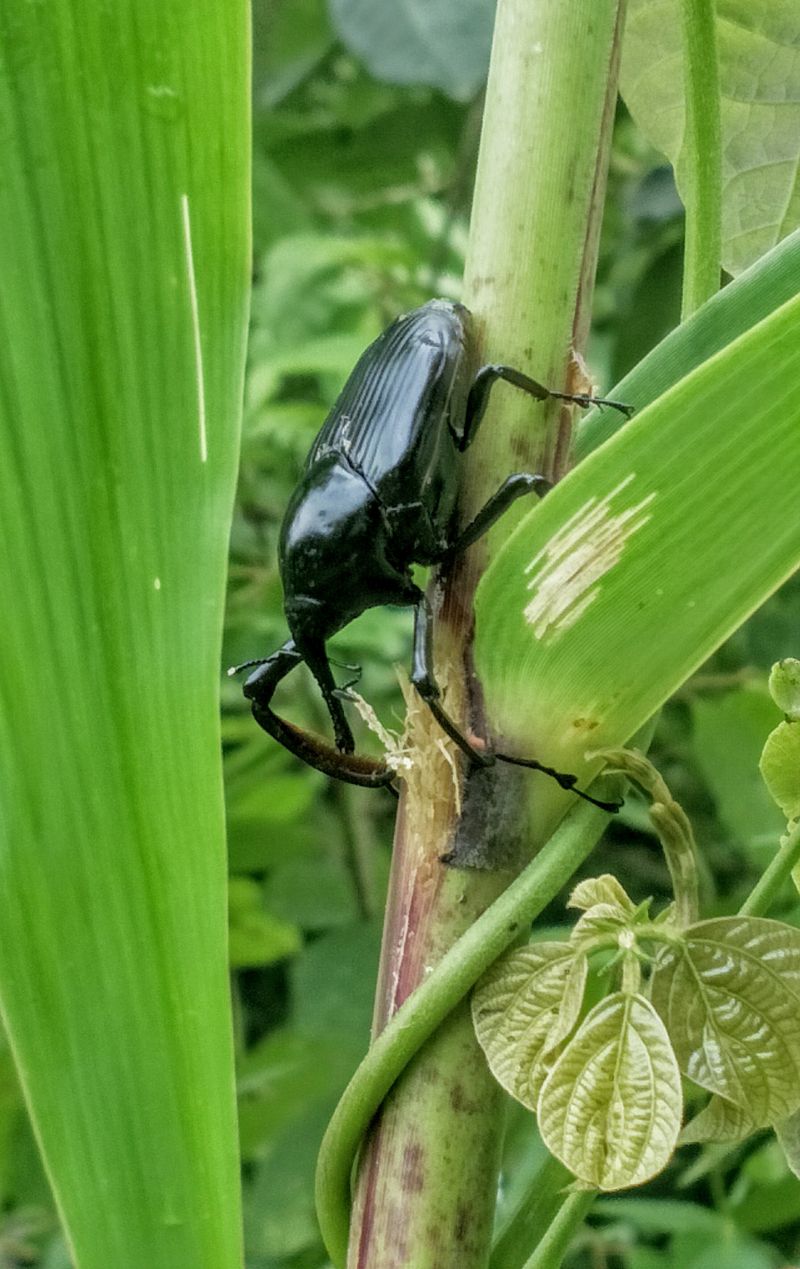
[720, 1121]
[610, 1109]
[729, 995]
[522, 1008]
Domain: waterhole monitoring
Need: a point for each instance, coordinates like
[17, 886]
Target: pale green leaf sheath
[730, 998]
[610, 1109]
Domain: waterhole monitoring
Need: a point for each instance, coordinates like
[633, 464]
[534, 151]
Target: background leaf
[759, 64]
[412, 43]
[780, 767]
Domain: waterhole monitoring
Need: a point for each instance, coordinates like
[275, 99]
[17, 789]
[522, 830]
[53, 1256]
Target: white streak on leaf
[566, 573]
[195, 312]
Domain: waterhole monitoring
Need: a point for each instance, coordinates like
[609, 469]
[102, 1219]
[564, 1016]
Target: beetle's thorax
[332, 551]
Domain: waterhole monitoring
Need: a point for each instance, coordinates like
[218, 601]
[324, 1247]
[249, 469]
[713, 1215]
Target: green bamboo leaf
[648, 555]
[610, 1109]
[759, 67]
[125, 262]
[719, 1121]
[526, 1003]
[729, 995]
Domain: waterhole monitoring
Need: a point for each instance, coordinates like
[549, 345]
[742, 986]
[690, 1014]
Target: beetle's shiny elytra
[378, 493]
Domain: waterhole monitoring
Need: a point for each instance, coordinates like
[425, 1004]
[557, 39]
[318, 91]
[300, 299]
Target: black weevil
[378, 493]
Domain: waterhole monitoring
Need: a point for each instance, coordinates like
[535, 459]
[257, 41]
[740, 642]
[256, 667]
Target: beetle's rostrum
[378, 494]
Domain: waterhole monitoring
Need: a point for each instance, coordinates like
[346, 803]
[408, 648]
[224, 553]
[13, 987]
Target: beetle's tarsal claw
[565, 779]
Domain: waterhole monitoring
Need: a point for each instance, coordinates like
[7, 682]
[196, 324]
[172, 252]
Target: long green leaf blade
[762, 289]
[648, 555]
[124, 257]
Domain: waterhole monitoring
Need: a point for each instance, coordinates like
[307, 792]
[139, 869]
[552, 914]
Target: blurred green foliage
[362, 192]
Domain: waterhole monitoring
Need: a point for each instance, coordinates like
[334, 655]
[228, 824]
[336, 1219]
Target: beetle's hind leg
[567, 781]
[422, 677]
[486, 378]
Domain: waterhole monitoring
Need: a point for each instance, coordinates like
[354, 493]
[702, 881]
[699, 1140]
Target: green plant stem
[774, 878]
[550, 1251]
[701, 156]
[432, 1001]
[537, 1208]
[427, 1174]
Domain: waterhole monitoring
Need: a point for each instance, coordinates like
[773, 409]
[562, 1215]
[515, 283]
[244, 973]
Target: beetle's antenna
[246, 665]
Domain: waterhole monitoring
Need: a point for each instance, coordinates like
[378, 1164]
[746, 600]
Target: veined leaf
[784, 687]
[522, 1007]
[125, 260]
[610, 1109]
[720, 1121]
[759, 67]
[730, 999]
[638, 564]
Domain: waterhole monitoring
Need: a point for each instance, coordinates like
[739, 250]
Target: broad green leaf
[759, 65]
[768, 1195]
[526, 1003]
[719, 1121]
[734, 1251]
[287, 43]
[610, 1109]
[730, 999]
[434, 43]
[639, 563]
[780, 767]
[125, 261]
[605, 889]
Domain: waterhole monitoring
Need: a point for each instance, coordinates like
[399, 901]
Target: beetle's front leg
[260, 688]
